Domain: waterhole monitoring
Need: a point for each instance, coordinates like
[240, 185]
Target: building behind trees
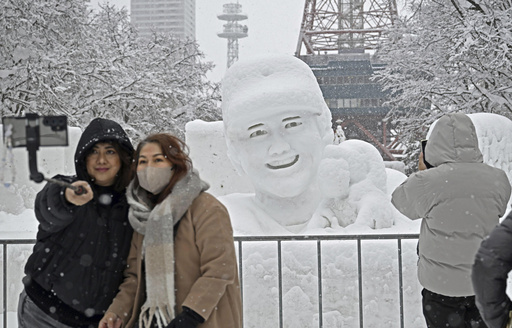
[169, 16]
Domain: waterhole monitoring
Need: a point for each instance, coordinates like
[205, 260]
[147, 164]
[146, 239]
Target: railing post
[5, 284]
[360, 281]
[400, 283]
[320, 310]
[241, 277]
[280, 282]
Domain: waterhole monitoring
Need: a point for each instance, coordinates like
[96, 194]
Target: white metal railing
[319, 242]
[248, 246]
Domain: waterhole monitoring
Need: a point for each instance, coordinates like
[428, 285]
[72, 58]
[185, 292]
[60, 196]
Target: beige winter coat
[206, 274]
[460, 200]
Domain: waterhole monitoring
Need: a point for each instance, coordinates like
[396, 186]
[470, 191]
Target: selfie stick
[32, 133]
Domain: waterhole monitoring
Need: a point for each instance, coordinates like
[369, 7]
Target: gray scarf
[157, 226]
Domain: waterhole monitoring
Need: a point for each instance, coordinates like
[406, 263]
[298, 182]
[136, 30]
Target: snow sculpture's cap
[271, 81]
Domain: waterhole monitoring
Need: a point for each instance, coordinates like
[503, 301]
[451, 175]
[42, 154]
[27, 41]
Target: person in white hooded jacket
[460, 200]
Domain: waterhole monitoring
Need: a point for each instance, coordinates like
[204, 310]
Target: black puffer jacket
[79, 257]
[492, 264]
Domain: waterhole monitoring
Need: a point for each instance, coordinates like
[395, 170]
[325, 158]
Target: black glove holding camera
[186, 319]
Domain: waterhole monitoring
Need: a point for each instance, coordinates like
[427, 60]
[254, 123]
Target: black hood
[99, 130]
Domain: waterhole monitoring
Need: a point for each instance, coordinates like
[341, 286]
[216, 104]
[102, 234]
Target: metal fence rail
[319, 240]
[279, 240]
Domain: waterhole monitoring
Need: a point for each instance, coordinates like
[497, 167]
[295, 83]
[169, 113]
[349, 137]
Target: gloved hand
[186, 319]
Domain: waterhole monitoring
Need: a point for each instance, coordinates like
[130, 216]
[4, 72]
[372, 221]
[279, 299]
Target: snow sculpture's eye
[258, 133]
[292, 124]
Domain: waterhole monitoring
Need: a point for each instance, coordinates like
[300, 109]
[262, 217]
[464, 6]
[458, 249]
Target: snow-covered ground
[340, 276]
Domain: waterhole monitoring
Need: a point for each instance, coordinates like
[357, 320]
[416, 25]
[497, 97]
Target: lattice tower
[330, 26]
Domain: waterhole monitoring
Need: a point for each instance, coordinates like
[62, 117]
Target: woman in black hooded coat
[83, 240]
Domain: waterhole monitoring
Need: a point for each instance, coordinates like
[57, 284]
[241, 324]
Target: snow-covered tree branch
[448, 56]
[61, 58]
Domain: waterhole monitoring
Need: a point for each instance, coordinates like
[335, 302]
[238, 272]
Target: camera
[38, 130]
[56, 123]
[423, 145]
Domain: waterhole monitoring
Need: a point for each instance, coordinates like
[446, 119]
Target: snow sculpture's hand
[334, 178]
[186, 319]
[374, 209]
[333, 213]
[322, 218]
[110, 320]
[81, 199]
[335, 209]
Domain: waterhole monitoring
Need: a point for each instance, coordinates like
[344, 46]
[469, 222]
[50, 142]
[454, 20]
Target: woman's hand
[81, 199]
[110, 320]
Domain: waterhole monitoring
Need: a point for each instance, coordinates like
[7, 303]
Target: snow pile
[494, 140]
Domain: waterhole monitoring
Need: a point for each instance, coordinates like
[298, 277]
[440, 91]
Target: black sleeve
[193, 314]
[492, 264]
[52, 209]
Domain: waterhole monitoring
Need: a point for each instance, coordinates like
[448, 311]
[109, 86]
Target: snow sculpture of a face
[276, 122]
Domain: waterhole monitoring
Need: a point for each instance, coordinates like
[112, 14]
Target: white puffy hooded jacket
[460, 200]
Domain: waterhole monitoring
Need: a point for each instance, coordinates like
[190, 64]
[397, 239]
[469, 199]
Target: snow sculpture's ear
[323, 121]
[328, 138]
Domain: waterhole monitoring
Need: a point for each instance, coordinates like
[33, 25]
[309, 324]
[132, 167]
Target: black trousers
[451, 312]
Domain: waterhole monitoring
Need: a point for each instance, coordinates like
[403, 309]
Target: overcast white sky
[273, 28]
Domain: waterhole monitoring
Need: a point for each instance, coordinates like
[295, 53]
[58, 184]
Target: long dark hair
[176, 151]
[125, 174]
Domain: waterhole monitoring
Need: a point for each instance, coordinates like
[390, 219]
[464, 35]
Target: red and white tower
[338, 25]
[337, 40]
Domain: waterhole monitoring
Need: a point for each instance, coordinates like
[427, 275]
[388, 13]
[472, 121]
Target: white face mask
[155, 179]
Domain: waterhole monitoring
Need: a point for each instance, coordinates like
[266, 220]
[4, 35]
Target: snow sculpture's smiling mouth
[276, 165]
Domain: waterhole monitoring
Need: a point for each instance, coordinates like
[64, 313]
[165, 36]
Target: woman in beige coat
[182, 267]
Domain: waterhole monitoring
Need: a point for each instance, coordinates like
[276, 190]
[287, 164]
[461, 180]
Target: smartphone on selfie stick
[32, 131]
[423, 145]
